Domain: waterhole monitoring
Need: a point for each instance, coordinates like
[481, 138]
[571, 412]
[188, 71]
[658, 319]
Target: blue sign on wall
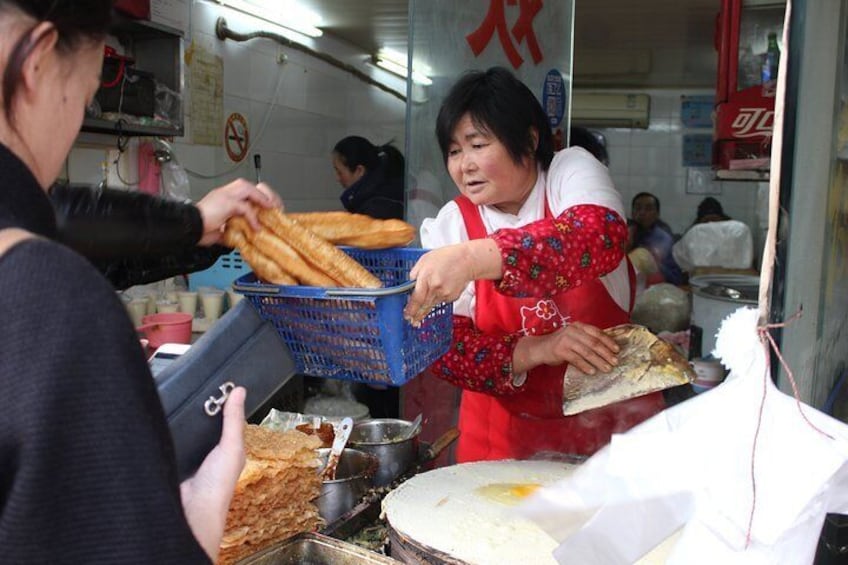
[697, 111]
[697, 150]
[553, 97]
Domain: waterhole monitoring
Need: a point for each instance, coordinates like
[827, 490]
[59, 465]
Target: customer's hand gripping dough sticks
[286, 258]
[319, 252]
[264, 267]
[358, 230]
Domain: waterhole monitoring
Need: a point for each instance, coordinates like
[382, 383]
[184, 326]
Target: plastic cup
[213, 303]
[188, 301]
[234, 298]
[166, 306]
[137, 309]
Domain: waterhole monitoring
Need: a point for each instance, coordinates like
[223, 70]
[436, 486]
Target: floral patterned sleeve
[477, 361]
[552, 255]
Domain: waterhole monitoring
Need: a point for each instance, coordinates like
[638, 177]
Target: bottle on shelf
[771, 59]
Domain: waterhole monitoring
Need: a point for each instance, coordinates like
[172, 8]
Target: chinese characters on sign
[553, 97]
[495, 21]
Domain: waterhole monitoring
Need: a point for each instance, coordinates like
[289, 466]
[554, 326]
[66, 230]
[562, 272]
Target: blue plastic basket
[221, 274]
[355, 334]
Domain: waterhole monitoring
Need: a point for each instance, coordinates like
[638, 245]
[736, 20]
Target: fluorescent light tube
[287, 15]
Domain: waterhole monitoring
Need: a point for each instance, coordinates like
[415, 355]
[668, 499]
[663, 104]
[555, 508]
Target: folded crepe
[646, 364]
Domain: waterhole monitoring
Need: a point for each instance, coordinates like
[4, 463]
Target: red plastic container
[168, 327]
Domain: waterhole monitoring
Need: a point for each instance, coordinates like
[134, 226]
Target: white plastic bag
[175, 183]
[726, 244]
[693, 466]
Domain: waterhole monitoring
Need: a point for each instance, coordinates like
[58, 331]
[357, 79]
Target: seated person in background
[649, 231]
[710, 210]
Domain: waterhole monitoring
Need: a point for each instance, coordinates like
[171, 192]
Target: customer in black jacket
[372, 176]
[134, 238]
[87, 467]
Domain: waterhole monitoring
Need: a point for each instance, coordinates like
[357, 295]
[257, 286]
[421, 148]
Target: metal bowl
[354, 476]
[385, 438]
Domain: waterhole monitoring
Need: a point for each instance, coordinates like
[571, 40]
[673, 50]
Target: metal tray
[315, 549]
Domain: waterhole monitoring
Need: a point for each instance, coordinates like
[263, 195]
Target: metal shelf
[742, 175]
[157, 49]
[98, 125]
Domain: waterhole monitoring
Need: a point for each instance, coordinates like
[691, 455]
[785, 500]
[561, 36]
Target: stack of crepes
[301, 248]
[275, 492]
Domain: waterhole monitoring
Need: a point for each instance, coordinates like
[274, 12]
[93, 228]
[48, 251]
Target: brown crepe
[646, 364]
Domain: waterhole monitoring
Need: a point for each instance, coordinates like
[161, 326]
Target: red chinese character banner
[532, 38]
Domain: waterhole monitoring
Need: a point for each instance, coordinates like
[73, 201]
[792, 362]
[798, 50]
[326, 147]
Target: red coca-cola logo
[753, 122]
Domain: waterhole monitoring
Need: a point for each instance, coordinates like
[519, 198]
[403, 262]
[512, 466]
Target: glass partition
[531, 38]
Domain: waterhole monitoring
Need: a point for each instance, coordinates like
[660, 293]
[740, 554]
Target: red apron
[521, 425]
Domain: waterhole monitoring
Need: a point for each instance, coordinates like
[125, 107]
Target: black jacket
[375, 195]
[87, 468]
[131, 237]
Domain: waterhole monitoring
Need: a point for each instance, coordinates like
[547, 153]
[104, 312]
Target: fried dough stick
[320, 253]
[286, 258]
[263, 266]
[357, 230]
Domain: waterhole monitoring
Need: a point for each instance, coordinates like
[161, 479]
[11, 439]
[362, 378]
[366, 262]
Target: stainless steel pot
[386, 439]
[354, 476]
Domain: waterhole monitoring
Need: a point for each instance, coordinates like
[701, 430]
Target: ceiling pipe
[223, 32]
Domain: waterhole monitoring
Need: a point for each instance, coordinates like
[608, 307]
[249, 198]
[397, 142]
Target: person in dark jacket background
[649, 231]
[373, 179]
[372, 176]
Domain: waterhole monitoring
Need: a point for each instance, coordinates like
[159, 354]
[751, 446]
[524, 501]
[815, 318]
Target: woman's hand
[206, 496]
[442, 274]
[585, 346]
[235, 199]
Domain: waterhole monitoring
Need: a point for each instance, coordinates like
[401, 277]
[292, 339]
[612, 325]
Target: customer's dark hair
[355, 150]
[649, 195]
[75, 21]
[502, 105]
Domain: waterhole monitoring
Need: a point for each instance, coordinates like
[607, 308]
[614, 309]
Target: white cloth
[575, 177]
[691, 466]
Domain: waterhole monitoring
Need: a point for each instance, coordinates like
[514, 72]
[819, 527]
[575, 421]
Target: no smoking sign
[236, 137]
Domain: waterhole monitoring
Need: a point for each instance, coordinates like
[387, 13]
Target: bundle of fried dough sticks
[301, 248]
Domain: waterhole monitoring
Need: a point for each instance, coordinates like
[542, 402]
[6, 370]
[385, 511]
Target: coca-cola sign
[752, 122]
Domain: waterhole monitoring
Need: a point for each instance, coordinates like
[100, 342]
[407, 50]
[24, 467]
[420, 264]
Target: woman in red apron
[532, 256]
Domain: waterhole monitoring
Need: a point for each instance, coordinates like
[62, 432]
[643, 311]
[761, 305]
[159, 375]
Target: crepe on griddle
[646, 364]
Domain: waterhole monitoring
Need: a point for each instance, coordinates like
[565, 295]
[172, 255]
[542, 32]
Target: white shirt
[575, 177]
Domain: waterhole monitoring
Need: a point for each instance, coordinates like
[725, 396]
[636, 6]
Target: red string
[768, 341]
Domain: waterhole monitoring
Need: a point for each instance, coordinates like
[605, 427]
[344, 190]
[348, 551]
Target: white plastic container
[711, 305]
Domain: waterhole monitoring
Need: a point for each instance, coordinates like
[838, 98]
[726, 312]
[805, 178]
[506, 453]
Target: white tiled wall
[315, 106]
[651, 160]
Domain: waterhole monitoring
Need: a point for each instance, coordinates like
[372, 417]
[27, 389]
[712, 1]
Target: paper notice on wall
[172, 13]
[206, 86]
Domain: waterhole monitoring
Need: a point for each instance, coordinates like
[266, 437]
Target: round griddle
[446, 517]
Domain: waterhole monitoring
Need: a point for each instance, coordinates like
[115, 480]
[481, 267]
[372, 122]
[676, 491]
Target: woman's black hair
[502, 105]
[709, 206]
[642, 195]
[75, 21]
[355, 150]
